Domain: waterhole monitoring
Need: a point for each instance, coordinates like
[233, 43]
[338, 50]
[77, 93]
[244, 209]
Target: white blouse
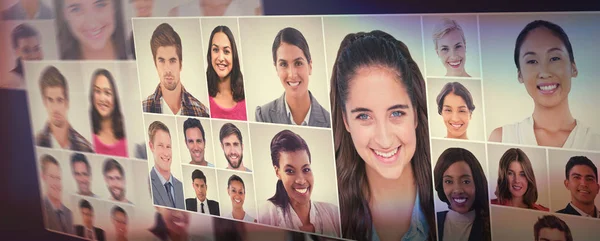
[457, 227]
[323, 216]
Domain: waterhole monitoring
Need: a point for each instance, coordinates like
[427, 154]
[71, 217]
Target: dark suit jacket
[191, 204]
[53, 222]
[275, 112]
[159, 193]
[476, 230]
[569, 210]
[79, 230]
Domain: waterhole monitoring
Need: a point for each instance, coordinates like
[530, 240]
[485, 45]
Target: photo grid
[219, 143]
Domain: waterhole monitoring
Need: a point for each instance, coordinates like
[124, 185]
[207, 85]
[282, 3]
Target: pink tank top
[238, 112]
[117, 149]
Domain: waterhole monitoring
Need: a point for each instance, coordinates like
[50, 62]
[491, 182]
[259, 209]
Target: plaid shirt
[78, 142]
[190, 106]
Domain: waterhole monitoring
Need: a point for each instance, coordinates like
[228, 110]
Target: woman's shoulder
[540, 207]
[268, 213]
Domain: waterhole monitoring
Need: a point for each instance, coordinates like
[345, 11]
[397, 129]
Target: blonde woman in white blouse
[291, 206]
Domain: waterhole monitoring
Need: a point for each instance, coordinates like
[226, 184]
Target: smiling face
[82, 177]
[582, 184]
[381, 120]
[451, 50]
[517, 180]
[237, 193]
[546, 70]
[459, 187]
[293, 69]
[116, 184]
[53, 181]
[233, 150]
[161, 150]
[195, 144]
[29, 48]
[456, 116]
[143, 8]
[296, 174]
[168, 67]
[56, 105]
[551, 234]
[120, 221]
[221, 55]
[92, 23]
[177, 222]
[200, 188]
[104, 100]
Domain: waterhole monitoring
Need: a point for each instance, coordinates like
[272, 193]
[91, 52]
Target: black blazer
[191, 204]
[569, 210]
[476, 230]
[79, 230]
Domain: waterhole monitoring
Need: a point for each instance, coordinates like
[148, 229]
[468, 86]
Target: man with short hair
[200, 203]
[233, 147]
[82, 173]
[195, 140]
[58, 132]
[170, 96]
[114, 176]
[57, 216]
[166, 189]
[551, 228]
[87, 230]
[120, 221]
[581, 179]
[27, 46]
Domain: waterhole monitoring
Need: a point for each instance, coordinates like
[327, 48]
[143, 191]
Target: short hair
[551, 222]
[154, 127]
[235, 178]
[48, 159]
[503, 189]
[78, 157]
[165, 35]
[112, 164]
[291, 36]
[22, 31]
[85, 204]
[197, 174]
[51, 77]
[192, 123]
[458, 89]
[230, 129]
[116, 209]
[580, 160]
[555, 29]
[444, 27]
[285, 141]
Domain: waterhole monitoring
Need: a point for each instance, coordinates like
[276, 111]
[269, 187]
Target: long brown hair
[503, 189]
[70, 48]
[366, 49]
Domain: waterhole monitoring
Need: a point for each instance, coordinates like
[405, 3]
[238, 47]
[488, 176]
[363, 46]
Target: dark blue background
[20, 208]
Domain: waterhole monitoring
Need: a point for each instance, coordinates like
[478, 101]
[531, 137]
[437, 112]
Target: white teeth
[386, 154]
[94, 33]
[456, 125]
[293, 83]
[454, 63]
[179, 223]
[548, 87]
[460, 200]
[517, 188]
[237, 200]
[303, 191]
[586, 192]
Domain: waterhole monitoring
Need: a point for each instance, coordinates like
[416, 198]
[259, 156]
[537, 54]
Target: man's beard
[238, 164]
[119, 197]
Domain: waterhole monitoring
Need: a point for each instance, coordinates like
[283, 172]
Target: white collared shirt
[289, 114]
[584, 214]
[164, 106]
[199, 206]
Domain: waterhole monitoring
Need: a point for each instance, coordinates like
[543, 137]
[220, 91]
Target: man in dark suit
[581, 179]
[200, 203]
[57, 216]
[166, 189]
[87, 230]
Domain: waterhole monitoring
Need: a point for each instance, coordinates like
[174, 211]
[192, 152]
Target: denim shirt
[418, 230]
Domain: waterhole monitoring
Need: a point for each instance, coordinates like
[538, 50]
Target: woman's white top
[323, 216]
[581, 137]
[246, 218]
[457, 227]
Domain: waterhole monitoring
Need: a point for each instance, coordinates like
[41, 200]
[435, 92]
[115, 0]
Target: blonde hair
[446, 26]
[154, 127]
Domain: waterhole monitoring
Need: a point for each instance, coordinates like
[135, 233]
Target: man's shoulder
[212, 201]
[80, 143]
[194, 107]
